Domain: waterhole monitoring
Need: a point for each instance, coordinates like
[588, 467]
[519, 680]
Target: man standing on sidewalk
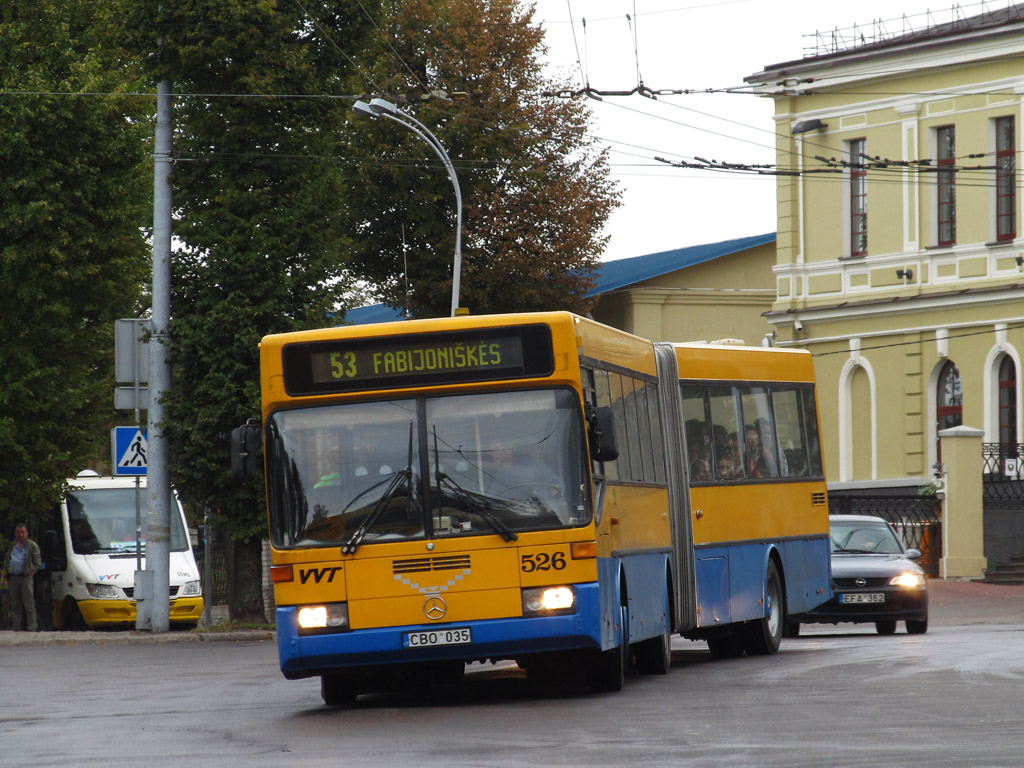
[22, 563]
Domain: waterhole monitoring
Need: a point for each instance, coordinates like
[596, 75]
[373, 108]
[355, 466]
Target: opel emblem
[861, 582]
[434, 607]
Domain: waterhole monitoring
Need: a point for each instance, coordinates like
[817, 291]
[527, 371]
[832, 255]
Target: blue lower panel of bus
[730, 578]
[308, 655]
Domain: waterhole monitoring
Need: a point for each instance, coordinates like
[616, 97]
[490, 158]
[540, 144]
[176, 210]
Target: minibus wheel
[73, 621]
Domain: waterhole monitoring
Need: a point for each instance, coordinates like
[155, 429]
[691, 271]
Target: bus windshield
[102, 521]
[461, 465]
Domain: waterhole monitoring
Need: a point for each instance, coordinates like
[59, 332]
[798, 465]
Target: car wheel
[917, 627]
[887, 627]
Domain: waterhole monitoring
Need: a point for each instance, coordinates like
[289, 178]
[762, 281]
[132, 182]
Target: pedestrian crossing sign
[129, 454]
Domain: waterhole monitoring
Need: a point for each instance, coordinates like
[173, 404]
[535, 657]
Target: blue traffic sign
[129, 450]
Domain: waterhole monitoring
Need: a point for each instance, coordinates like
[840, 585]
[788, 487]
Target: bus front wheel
[607, 672]
[338, 690]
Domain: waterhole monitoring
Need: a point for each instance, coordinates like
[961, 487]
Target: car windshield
[102, 521]
[864, 538]
[455, 466]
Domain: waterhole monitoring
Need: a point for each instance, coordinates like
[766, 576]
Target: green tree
[256, 198]
[75, 194]
[536, 190]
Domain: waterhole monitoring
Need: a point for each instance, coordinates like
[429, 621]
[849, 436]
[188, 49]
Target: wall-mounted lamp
[1020, 261]
[808, 125]
[905, 273]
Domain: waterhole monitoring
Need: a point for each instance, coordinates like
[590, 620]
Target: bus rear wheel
[763, 636]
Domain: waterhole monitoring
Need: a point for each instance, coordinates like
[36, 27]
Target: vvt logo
[109, 577]
[318, 574]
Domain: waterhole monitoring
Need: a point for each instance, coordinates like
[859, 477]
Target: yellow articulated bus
[518, 487]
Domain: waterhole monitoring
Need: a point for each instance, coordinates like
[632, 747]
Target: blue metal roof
[611, 275]
[622, 272]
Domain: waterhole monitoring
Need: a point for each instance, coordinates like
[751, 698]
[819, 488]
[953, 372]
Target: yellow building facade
[900, 253]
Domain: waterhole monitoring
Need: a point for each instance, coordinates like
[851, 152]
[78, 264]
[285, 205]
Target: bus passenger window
[725, 431]
[791, 437]
[697, 430]
[759, 435]
[810, 428]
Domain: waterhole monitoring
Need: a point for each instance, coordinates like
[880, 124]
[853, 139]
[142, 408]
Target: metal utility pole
[158, 484]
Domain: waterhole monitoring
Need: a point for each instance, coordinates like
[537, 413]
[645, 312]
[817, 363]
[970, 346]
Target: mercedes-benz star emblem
[861, 582]
[434, 607]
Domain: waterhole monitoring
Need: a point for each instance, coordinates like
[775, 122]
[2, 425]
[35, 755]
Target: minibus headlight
[548, 601]
[103, 591]
[191, 589]
[332, 617]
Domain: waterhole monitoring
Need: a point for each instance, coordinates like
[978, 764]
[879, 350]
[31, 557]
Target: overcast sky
[696, 45]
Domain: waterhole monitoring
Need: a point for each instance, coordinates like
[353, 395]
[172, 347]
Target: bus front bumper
[310, 655]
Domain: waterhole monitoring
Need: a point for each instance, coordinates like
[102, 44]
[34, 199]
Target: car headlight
[548, 601]
[191, 589]
[332, 617]
[907, 579]
[103, 591]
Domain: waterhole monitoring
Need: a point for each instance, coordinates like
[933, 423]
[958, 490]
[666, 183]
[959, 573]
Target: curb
[12, 639]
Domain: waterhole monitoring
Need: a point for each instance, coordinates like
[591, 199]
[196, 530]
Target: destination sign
[422, 359]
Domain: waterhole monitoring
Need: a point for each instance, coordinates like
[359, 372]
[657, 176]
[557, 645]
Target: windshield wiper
[402, 477]
[475, 504]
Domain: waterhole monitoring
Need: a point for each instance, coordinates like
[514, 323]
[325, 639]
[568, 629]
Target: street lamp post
[382, 108]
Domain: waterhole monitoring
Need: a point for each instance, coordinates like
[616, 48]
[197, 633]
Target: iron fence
[1003, 475]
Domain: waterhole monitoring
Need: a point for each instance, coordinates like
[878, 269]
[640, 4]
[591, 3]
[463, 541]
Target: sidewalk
[131, 637]
[952, 603]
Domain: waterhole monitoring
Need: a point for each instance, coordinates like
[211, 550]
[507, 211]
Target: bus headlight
[103, 591]
[191, 589]
[548, 601]
[332, 617]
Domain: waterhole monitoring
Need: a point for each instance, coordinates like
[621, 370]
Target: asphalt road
[836, 696]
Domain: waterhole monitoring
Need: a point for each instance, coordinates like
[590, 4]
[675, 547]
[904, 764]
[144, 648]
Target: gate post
[963, 529]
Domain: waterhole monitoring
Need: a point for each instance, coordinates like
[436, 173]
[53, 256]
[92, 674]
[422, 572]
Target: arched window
[949, 411]
[1008, 402]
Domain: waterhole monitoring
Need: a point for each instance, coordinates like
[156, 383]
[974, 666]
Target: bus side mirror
[601, 434]
[244, 447]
